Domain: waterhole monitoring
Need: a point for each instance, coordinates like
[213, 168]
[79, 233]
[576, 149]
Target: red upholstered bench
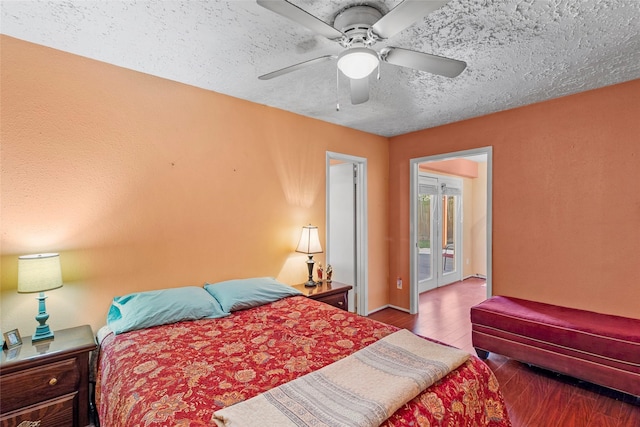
[598, 348]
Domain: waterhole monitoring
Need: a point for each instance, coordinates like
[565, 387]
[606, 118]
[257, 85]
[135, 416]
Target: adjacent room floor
[534, 397]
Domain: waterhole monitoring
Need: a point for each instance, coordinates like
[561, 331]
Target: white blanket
[363, 389]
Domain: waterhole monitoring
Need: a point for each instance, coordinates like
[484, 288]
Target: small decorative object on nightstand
[332, 293]
[12, 339]
[47, 382]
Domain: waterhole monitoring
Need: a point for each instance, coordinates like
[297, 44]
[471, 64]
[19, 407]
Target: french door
[438, 231]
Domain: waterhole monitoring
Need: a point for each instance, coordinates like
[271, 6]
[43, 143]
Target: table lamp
[39, 273]
[309, 244]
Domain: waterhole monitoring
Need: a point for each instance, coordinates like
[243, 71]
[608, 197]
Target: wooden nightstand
[47, 382]
[333, 293]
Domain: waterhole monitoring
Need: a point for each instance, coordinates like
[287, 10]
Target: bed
[179, 374]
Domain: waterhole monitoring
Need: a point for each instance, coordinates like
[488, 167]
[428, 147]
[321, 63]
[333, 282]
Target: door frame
[362, 255]
[413, 188]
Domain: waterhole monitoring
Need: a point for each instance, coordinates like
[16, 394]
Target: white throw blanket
[363, 389]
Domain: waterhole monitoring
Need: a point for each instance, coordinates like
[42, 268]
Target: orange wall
[457, 167]
[143, 183]
[566, 205]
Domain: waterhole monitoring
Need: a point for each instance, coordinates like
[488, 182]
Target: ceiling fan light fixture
[358, 62]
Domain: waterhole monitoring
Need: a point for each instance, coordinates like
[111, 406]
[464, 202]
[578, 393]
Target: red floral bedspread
[179, 374]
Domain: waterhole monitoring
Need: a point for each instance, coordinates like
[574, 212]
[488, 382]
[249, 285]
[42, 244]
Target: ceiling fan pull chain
[337, 89]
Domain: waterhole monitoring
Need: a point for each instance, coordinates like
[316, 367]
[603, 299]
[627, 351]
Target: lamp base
[310, 284]
[42, 333]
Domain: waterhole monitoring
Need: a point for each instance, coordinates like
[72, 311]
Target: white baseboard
[399, 308]
[389, 306]
[476, 276]
[378, 309]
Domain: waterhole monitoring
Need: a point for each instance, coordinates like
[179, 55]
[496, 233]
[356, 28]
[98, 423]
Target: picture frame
[12, 338]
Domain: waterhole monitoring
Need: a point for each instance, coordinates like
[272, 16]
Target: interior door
[438, 231]
[450, 253]
[342, 232]
[427, 232]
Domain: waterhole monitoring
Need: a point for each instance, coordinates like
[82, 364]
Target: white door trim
[413, 188]
[362, 255]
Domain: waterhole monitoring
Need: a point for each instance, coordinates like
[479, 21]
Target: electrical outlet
[399, 283]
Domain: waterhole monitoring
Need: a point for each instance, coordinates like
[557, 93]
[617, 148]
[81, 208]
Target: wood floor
[534, 397]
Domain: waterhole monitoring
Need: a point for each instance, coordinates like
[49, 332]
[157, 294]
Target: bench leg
[482, 354]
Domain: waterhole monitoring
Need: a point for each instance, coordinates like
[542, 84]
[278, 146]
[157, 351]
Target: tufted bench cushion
[599, 348]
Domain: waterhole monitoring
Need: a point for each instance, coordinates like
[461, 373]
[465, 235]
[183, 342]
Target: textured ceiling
[518, 52]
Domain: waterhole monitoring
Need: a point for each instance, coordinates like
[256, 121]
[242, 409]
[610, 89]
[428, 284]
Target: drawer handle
[340, 303]
[30, 423]
[53, 381]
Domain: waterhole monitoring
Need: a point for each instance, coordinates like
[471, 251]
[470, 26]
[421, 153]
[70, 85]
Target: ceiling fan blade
[423, 61]
[403, 15]
[302, 17]
[296, 67]
[359, 90]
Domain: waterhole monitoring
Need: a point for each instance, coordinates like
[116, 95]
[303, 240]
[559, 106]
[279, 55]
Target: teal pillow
[146, 309]
[240, 294]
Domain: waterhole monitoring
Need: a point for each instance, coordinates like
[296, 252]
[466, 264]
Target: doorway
[449, 251]
[346, 225]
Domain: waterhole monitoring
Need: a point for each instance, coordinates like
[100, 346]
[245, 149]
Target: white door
[342, 230]
[438, 231]
[427, 232]
[347, 225]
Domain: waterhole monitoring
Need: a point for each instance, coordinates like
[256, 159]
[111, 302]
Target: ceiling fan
[357, 28]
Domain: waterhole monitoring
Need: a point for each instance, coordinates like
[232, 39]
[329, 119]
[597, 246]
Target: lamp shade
[39, 273]
[358, 62]
[309, 241]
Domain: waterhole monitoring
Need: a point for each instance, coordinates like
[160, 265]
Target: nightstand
[47, 383]
[332, 293]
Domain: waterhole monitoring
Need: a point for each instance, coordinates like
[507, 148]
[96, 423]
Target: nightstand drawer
[37, 384]
[337, 300]
[52, 413]
[332, 293]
